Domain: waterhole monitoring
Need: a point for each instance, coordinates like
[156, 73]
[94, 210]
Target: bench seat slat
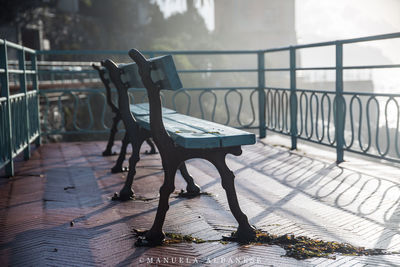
[143, 109]
[190, 132]
[229, 136]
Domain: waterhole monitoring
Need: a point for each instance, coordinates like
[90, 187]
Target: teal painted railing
[244, 89]
[346, 120]
[19, 107]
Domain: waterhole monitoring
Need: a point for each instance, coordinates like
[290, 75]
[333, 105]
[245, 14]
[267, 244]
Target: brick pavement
[281, 192]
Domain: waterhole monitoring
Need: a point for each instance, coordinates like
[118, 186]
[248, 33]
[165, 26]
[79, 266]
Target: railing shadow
[364, 197]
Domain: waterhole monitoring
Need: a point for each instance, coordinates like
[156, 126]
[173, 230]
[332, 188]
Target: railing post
[261, 93]
[35, 85]
[339, 107]
[5, 92]
[23, 89]
[293, 98]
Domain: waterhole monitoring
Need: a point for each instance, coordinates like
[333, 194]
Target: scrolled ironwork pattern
[372, 120]
[74, 111]
[373, 123]
[277, 110]
[228, 106]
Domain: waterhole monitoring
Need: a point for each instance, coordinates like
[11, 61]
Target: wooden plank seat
[191, 132]
[141, 134]
[177, 137]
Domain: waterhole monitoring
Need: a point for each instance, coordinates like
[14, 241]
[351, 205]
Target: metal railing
[346, 120]
[19, 109]
[243, 97]
[243, 89]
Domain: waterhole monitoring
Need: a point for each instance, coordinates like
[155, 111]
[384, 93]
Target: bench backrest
[163, 72]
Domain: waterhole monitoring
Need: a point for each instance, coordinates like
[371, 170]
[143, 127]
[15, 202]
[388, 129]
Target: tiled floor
[280, 191]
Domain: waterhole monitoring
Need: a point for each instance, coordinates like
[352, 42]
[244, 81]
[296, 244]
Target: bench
[141, 134]
[177, 137]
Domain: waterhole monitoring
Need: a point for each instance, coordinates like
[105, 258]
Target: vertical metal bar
[23, 89]
[293, 98]
[35, 86]
[5, 92]
[261, 93]
[339, 107]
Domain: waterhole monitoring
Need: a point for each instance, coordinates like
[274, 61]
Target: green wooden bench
[178, 137]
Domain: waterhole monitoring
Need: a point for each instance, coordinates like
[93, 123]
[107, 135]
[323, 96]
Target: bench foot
[107, 153]
[242, 235]
[148, 239]
[188, 195]
[124, 195]
[193, 190]
[150, 152]
[118, 169]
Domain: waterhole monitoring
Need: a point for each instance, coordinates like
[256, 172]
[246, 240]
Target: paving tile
[58, 211]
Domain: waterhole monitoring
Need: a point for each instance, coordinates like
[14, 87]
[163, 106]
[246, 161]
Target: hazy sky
[318, 20]
[325, 20]
[342, 19]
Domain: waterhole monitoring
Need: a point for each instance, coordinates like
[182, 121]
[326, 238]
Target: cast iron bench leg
[113, 131]
[118, 165]
[140, 136]
[152, 147]
[155, 235]
[122, 154]
[114, 109]
[192, 188]
[244, 232]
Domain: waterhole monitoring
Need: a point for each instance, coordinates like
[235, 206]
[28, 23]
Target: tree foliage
[105, 24]
[21, 11]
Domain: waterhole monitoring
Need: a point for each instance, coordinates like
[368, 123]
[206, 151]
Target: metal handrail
[19, 112]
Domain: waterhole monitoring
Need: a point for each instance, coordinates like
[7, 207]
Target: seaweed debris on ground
[173, 238]
[298, 247]
[302, 247]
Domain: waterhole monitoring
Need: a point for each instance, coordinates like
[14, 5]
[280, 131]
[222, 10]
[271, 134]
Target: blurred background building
[255, 24]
